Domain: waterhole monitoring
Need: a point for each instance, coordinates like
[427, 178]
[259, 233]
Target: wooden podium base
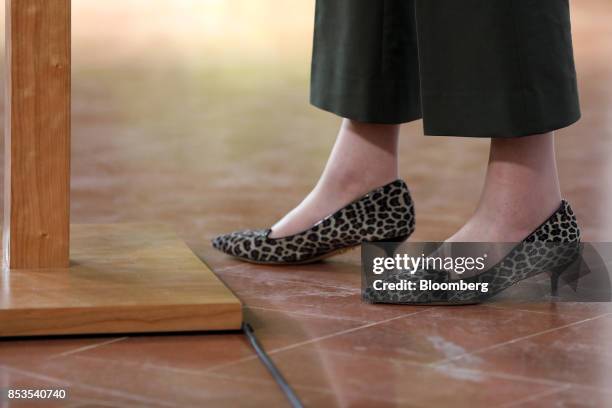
[123, 278]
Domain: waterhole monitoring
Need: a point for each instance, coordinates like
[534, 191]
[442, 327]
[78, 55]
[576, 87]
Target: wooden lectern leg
[37, 135]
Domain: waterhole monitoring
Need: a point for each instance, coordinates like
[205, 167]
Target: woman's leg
[521, 190]
[364, 157]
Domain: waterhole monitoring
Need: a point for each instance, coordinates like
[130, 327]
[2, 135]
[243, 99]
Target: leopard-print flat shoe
[384, 214]
[552, 247]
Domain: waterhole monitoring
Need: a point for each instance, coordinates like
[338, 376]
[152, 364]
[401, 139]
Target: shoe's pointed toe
[386, 213]
[219, 242]
[242, 244]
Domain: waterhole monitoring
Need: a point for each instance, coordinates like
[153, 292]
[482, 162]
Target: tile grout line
[205, 373]
[249, 380]
[342, 332]
[351, 289]
[102, 390]
[512, 341]
[85, 348]
[496, 374]
[43, 377]
[302, 387]
[269, 309]
[493, 306]
[317, 283]
[519, 378]
[536, 396]
[280, 349]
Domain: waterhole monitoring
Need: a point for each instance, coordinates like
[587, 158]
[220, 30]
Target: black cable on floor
[267, 361]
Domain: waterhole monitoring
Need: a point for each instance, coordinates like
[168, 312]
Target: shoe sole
[305, 262]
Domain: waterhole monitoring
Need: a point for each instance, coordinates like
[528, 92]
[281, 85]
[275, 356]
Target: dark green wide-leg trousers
[481, 68]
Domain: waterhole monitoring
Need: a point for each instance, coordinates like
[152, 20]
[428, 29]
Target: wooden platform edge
[131, 293]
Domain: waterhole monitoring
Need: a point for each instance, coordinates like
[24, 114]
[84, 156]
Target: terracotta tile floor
[195, 113]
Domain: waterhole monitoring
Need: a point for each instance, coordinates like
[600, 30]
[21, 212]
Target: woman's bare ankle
[521, 190]
[364, 157]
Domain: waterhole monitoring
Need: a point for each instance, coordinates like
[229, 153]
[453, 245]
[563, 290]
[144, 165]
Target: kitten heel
[571, 275]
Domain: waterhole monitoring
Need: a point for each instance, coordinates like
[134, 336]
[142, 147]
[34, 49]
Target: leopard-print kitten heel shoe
[552, 247]
[383, 214]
